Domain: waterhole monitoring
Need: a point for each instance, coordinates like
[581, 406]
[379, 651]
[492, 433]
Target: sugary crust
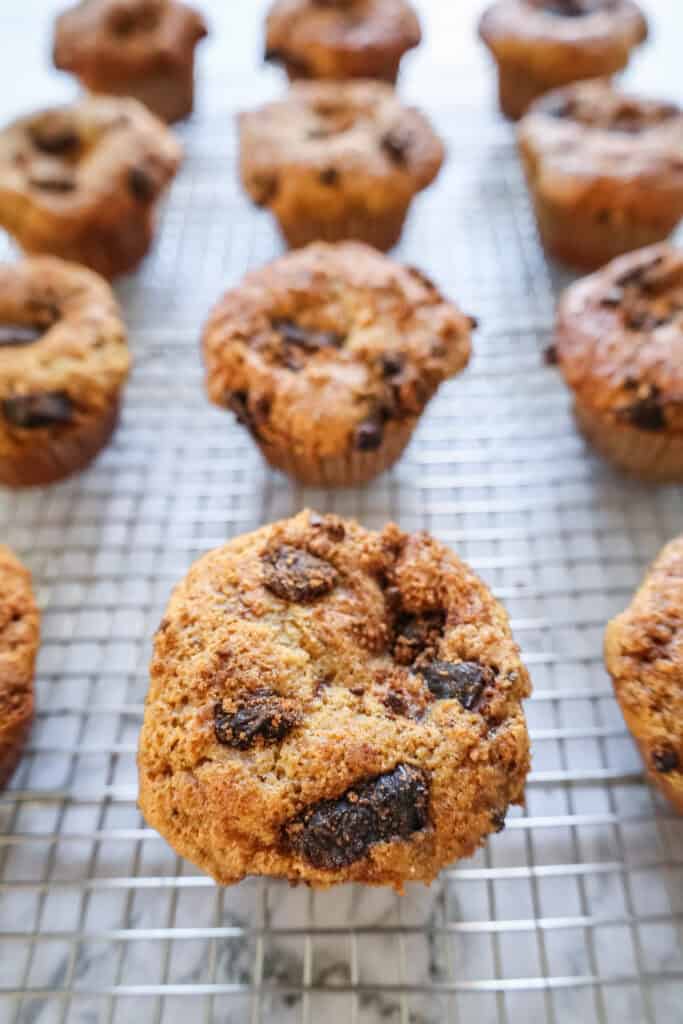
[126, 39]
[338, 40]
[558, 49]
[644, 655]
[19, 637]
[329, 341]
[81, 182]
[352, 705]
[333, 151]
[619, 341]
[80, 353]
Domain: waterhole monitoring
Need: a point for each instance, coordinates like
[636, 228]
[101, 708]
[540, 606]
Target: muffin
[19, 638]
[329, 356]
[328, 704]
[619, 344]
[139, 48]
[81, 182]
[542, 44]
[341, 39]
[605, 171]
[338, 160]
[644, 656]
[63, 363]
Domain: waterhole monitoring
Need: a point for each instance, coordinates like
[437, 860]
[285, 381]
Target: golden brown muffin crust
[320, 349]
[340, 38]
[335, 144]
[644, 655]
[73, 178]
[126, 37]
[63, 354]
[330, 704]
[619, 339]
[19, 636]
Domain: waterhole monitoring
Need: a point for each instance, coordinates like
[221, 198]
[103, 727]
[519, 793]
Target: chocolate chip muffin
[81, 182]
[619, 344]
[139, 48]
[605, 171]
[542, 44]
[329, 704]
[644, 656]
[19, 638]
[338, 160]
[341, 39]
[63, 363]
[329, 356]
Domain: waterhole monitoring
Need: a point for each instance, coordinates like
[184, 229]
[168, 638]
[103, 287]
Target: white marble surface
[573, 914]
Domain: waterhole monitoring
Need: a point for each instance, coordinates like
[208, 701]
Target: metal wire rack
[575, 912]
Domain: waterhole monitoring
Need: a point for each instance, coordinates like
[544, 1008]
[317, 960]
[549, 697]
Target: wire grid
[575, 912]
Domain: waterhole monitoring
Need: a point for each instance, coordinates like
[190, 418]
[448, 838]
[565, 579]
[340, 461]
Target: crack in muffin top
[592, 130]
[619, 339]
[351, 138]
[316, 662]
[331, 340]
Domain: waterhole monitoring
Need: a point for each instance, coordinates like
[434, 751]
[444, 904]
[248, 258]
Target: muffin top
[63, 350]
[619, 339]
[19, 635]
[509, 24]
[592, 130]
[328, 704]
[328, 343]
[126, 36]
[644, 655]
[65, 161]
[338, 140]
[324, 37]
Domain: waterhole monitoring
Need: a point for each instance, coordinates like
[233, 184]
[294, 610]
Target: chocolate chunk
[646, 412]
[53, 180]
[575, 8]
[55, 136]
[392, 363]
[306, 338]
[550, 357]
[612, 298]
[463, 680]
[329, 176]
[396, 145]
[43, 409]
[294, 574]
[498, 819]
[336, 833]
[263, 188]
[238, 402]
[635, 275]
[665, 761]
[259, 715]
[415, 635]
[141, 184]
[19, 334]
[369, 435]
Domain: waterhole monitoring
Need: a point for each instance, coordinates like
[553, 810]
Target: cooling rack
[575, 912]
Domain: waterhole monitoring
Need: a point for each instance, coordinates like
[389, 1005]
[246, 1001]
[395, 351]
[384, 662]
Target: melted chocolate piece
[141, 184]
[392, 364]
[396, 145]
[463, 680]
[369, 435]
[646, 412]
[43, 409]
[416, 635]
[55, 136]
[306, 338]
[550, 357]
[19, 334]
[263, 188]
[665, 761]
[329, 176]
[260, 715]
[336, 833]
[294, 574]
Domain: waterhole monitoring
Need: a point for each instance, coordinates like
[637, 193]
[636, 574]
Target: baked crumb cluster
[338, 705]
